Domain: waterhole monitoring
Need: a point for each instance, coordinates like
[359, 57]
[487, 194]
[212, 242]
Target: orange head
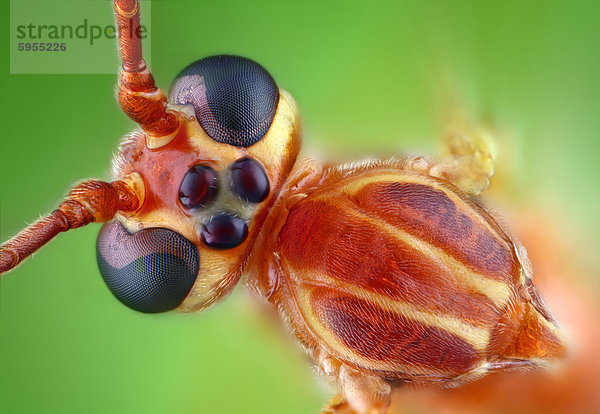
[207, 187]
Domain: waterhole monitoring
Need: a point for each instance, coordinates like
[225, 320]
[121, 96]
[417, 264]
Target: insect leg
[90, 201]
[468, 159]
[362, 393]
[338, 405]
[138, 95]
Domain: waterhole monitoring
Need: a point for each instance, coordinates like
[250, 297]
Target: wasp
[387, 272]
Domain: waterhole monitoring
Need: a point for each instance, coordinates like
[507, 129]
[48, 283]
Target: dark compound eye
[249, 180]
[150, 271]
[234, 98]
[198, 187]
[224, 231]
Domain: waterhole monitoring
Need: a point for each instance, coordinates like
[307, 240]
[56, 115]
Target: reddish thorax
[401, 276]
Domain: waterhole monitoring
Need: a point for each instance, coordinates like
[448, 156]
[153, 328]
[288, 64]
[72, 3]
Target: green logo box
[68, 37]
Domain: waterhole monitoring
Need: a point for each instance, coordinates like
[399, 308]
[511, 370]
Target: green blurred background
[370, 78]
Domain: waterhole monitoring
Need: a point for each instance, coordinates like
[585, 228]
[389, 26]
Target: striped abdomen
[401, 274]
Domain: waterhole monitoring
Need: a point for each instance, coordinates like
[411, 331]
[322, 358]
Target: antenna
[138, 95]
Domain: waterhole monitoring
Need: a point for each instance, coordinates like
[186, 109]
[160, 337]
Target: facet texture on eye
[249, 180]
[198, 187]
[234, 98]
[149, 271]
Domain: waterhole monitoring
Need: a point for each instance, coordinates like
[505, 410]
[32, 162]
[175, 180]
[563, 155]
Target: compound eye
[249, 180]
[198, 187]
[150, 271]
[224, 231]
[234, 98]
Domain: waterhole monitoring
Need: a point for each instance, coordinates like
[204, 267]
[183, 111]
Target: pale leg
[361, 394]
[468, 160]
